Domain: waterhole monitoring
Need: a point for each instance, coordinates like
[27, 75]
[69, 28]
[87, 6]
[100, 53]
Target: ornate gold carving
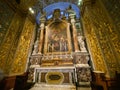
[96, 52]
[115, 41]
[8, 48]
[106, 36]
[94, 46]
[20, 61]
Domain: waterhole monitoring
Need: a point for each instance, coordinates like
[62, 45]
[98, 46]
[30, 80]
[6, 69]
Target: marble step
[52, 87]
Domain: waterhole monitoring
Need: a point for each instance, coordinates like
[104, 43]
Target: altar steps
[52, 87]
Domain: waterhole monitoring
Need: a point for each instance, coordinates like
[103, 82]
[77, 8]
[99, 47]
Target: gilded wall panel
[20, 60]
[18, 29]
[105, 38]
[113, 9]
[115, 44]
[6, 49]
[94, 47]
[6, 16]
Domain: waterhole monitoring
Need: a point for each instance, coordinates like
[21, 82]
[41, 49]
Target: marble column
[69, 37]
[46, 40]
[74, 34]
[42, 27]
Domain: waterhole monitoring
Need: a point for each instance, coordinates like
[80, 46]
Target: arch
[62, 6]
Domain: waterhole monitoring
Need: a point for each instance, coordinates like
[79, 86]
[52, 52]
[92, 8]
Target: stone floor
[57, 87]
[84, 88]
[53, 87]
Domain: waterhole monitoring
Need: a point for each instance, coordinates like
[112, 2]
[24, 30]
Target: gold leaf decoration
[20, 60]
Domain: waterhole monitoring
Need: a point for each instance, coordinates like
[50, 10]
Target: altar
[59, 55]
[54, 75]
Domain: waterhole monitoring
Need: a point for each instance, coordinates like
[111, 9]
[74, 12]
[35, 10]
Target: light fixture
[79, 2]
[31, 10]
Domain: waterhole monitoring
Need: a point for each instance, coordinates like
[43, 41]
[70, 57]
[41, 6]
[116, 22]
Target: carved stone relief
[84, 74]
[82, 59]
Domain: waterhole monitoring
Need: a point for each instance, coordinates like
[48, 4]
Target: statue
[70, 11]
[35, 47]
[43, 16]
[81, 43]
[56, 14]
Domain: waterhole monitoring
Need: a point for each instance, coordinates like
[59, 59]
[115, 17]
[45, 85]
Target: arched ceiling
[49, 5]
[63, 6]
[44, 3]
[39, 5]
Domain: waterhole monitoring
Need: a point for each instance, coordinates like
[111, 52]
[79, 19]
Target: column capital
[42, 25]
[72, 20]
[42, 20]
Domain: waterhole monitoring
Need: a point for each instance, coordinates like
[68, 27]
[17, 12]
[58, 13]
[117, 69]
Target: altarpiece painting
[57, 38]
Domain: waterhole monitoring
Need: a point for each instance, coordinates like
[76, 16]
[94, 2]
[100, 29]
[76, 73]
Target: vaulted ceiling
[43, 3]
[38, 5]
